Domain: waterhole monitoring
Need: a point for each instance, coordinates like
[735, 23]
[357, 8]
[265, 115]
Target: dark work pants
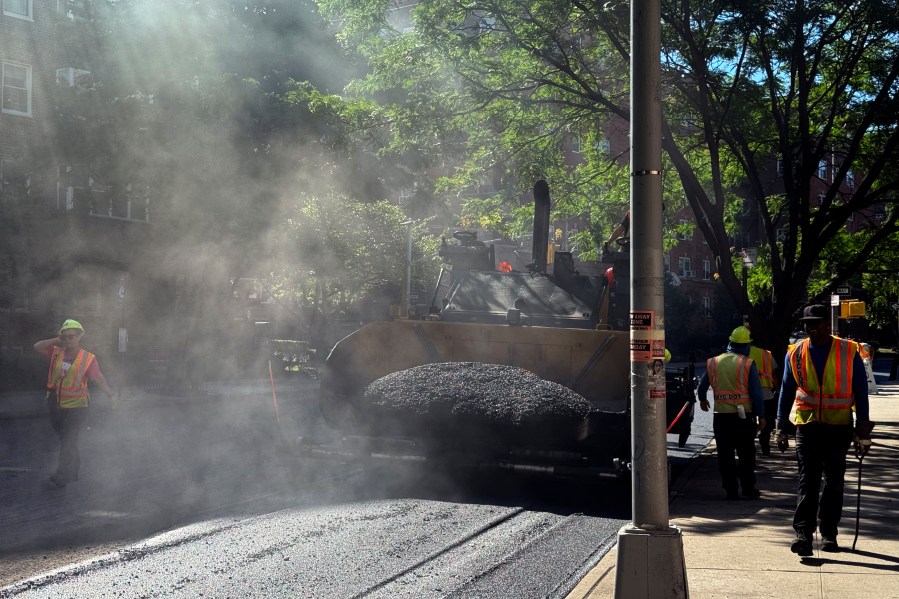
[67, 423]
[735, 434]
[821, 451]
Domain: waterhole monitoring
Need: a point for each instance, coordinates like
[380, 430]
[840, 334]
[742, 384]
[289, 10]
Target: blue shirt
[755, 384]
[819, 355]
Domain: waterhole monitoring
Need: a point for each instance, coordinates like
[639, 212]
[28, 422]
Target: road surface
[183, 499]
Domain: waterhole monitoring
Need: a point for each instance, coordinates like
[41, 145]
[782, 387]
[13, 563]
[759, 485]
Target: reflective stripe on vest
[71, 387]
[729, 377]
[764, 362]
[826, 398]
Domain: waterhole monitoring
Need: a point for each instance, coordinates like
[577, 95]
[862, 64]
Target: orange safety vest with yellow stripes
[764, 362]
[828, 397]
[729, 377]
[71, 386]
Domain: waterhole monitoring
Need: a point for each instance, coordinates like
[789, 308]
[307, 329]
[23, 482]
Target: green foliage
[470, 88]
[333, 252]
[499, 89]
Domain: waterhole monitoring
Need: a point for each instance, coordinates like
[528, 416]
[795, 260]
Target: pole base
[651, 564]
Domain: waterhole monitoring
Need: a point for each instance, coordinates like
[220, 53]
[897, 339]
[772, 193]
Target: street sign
[834, 300]
[750, 256]
[842, 290]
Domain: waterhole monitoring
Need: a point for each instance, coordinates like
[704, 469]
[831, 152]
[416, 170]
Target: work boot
[765, 444]
[829, 544]
[801, 545]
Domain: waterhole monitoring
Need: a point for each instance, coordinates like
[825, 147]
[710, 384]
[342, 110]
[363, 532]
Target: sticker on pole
[642, 322]
[656, 378]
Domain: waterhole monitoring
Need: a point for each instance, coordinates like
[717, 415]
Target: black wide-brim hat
[815, 313]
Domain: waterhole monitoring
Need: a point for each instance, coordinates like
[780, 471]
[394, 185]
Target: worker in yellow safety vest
[68, 397]
[764, 361]
[823, 382]
[739, 413]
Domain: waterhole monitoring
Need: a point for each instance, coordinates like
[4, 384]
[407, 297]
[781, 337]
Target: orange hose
[676, 418]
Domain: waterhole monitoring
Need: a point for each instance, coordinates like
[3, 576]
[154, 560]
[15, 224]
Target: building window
[684, 269]
[822, 170]
[577, 144]
[706, 270]
[706, 305]
[780, 167]
[86, 287]
[685, 230]
[13, 174]
[486, 25]
[16, 90]
[781, 235]
[601, 145]
[850, 179]
[106, 201]
[667, 259]
[18, 8]
[72, 77]
[604, 146]
[74, 10]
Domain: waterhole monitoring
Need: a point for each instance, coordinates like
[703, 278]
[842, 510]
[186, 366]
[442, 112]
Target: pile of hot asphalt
[472, 398]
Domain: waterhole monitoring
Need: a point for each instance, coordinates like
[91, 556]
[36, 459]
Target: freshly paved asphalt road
[235, 513]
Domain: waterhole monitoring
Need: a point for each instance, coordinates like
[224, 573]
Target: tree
[810, 83]
[503, 84]
[342, 257]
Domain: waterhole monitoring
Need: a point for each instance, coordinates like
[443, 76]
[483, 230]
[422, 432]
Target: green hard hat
[740, 335]
[71, 324]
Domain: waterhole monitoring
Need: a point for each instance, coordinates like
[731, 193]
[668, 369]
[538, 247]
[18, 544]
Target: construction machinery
[565, 327]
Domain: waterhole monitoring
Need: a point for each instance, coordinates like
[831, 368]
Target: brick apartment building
[69, 248]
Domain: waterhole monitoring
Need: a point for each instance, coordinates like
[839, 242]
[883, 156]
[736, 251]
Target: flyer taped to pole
[648, 348]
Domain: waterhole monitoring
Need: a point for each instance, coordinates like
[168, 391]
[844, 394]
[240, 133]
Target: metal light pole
[650, 551]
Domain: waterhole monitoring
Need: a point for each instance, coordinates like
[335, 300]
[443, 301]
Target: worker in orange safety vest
[68, 396]
[739, 413]
[823, 382]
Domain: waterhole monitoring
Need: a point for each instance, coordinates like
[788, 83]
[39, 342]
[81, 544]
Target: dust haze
[215, 197]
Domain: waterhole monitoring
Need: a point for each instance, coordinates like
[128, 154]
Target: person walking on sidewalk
[737, 394]
[68, 397]
[823, 379]
[764, 361]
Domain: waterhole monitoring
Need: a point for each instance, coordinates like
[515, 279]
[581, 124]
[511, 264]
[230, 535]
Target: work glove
[781, 438]
[862, 439]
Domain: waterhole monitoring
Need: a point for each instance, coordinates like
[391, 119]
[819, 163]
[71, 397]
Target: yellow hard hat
[740, 335]
[667, 355]
[71, 324]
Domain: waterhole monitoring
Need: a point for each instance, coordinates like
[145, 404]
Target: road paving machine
[456, 385]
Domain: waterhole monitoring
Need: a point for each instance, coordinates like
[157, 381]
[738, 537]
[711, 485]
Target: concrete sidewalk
[742, 548]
